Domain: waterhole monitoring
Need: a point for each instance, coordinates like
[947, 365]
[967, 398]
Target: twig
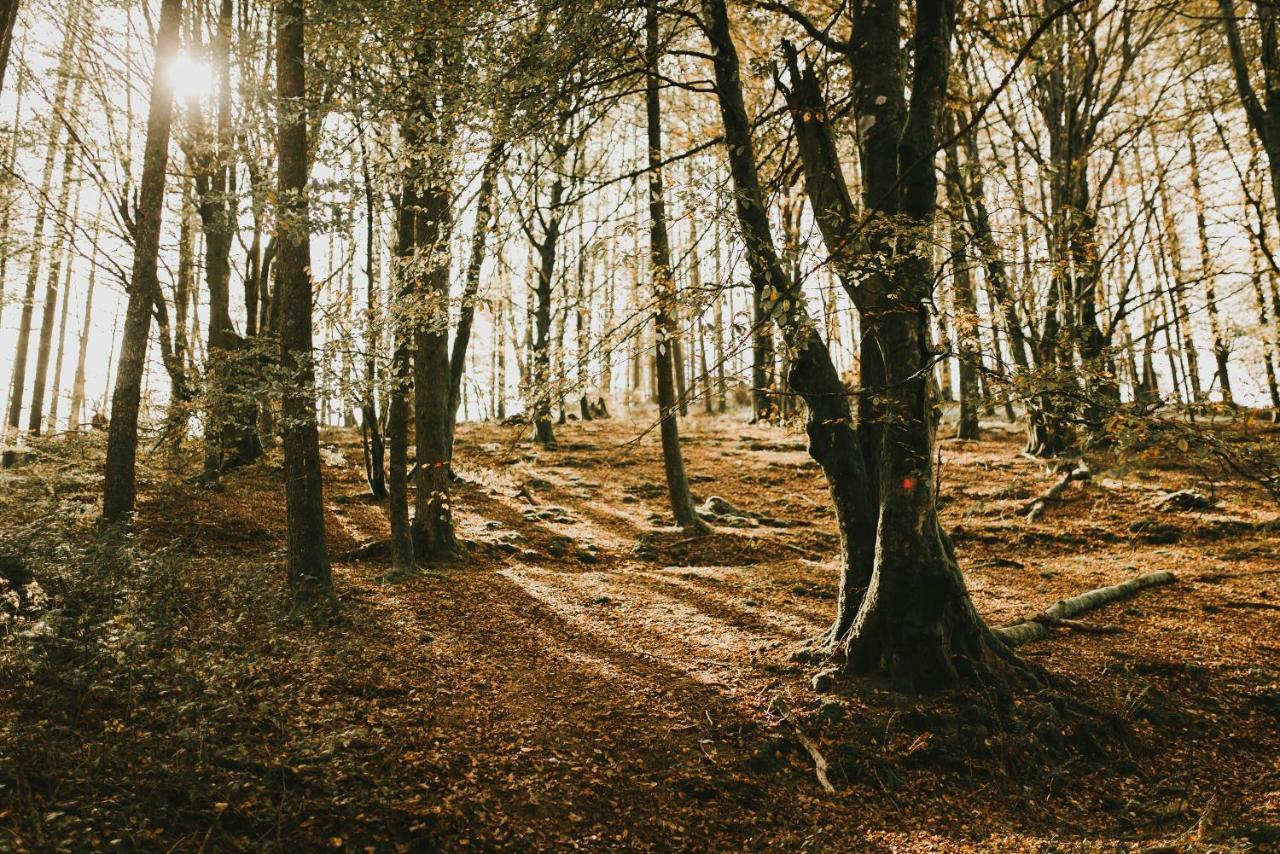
[779, 707]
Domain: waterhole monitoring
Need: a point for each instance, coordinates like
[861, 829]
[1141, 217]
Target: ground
[586, 676]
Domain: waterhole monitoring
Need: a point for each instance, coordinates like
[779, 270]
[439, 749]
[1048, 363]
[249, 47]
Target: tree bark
[370, 424]
[63, 222]
[55, 382]
[119, 488]
[966, 306]
[471, 286]
[912, 618]
[17, 387]
[8, 18]
[77, 386]
[833, 442]
[308, 555]
[1221, 347]
[434, 538]
[664, 296]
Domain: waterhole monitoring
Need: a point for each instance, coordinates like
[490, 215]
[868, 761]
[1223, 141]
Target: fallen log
[1039, 626]
[1075, 472]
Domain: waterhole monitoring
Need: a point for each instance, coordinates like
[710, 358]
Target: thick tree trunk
[434, 539]
[119, 488]
[402, 557]
[912, 617]
[308, 554]
[231, 429]
[833, 442]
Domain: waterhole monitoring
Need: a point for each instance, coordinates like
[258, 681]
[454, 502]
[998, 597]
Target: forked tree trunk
[903, 607]
[308, 553]
[119, 487]
[833, 441]
[544, 434]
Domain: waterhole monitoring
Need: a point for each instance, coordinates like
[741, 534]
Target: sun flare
[191, 77]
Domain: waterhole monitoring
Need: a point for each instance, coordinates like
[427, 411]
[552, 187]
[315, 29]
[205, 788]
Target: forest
[800, 425]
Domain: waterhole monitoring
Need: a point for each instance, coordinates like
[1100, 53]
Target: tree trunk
[479, 240]
[542, 391]
[8, 18]
[55, 382]
[966, 306]
[63, 223]
[433, 534]
[722, 385]
[664, 295]
[308, 554]
[77, 386]
[910, 616]
[1221, 347]
[231, 429]
[833, 442]
[370, 424]
[119, 489]
[17, 388]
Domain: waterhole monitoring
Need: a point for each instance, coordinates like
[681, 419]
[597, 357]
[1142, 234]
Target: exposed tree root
[1038, 627]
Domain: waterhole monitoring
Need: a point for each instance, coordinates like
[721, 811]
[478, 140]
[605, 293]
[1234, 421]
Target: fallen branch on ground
[1261, 606]
[1222, 576]
[1038, 626]
[1077, 625]
[1074, 472]
[779, 707]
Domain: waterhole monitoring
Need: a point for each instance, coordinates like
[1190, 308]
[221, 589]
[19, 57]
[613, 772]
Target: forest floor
[588, 677]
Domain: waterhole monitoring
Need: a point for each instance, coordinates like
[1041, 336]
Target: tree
[119, 485]
[664, 292]
[903, 608]
[308, 553]
[8, 18]
[62, 83]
